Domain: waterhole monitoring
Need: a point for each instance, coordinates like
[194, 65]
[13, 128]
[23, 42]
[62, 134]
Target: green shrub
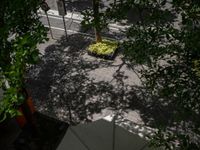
[105, 47]
[197, 67]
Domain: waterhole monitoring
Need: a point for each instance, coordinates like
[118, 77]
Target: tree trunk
[96, 20]
[97, 35]
[28, 114]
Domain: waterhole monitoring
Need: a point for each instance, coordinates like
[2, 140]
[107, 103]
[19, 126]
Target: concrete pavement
[93, 88]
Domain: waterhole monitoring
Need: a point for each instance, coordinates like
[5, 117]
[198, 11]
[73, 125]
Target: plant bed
[106, 49]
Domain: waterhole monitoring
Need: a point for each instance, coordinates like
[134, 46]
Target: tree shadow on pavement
[78, 5]
[67, 77]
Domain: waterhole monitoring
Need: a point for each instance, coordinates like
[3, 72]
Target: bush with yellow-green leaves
[197, 67]
[105, 47]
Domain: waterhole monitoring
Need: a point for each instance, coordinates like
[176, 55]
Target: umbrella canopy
[101, 135]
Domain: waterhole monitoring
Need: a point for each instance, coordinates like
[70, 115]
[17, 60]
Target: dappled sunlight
[67, 78]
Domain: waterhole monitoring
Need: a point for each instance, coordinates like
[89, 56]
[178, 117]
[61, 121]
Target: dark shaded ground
[50, 133]
[75, 5]
[78, 5]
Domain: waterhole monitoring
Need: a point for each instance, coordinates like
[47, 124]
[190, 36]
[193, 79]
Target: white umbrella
[101, 135]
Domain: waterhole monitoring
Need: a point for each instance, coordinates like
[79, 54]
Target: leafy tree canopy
[20, 32]
[166, 41]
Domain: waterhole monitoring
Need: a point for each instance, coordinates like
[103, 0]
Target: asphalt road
[73, 18]
[77, 5]
[73, 25]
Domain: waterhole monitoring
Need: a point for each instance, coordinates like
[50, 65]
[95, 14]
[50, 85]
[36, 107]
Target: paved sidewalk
[67, 69]
[93, 88]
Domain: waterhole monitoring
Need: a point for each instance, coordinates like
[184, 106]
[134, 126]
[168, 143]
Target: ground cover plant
[105, 48]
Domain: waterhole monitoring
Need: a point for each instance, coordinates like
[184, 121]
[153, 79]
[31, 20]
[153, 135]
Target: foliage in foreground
[105, 47]
[20, 32]
[171, 55]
